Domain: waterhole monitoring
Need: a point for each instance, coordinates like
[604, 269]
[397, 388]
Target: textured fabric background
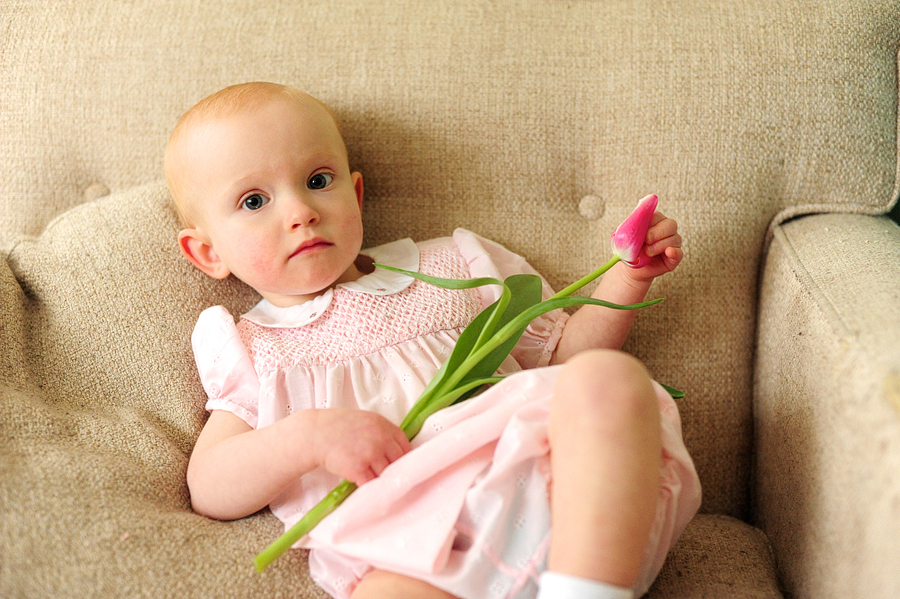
[828, 464]
[537, 123]
[98, 426]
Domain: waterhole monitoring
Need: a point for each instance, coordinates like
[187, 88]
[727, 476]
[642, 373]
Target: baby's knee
[604, 371]
[605, 387]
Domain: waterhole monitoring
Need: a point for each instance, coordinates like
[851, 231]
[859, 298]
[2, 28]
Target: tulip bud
[628, 238]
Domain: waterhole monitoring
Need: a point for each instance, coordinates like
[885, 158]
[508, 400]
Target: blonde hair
[225, 102]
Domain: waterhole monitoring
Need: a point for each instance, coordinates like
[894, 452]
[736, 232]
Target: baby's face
[274, 195]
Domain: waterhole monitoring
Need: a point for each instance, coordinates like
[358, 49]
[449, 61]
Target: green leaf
[466, 342]
[529, 314]
[443, 283]
[675, 393]
[496, 316]
[525, 292]
[440, 401]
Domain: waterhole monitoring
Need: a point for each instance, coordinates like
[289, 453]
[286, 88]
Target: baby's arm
[595, 327]
[236, 470]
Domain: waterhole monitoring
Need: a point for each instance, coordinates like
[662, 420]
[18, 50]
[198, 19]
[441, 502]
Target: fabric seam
[808, 282]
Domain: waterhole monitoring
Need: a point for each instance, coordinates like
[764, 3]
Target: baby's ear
[357, 179]
[197, 248]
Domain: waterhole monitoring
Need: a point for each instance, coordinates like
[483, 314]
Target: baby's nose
[302, 214]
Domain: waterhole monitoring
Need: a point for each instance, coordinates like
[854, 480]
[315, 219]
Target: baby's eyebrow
[325, 158]
[238, 187]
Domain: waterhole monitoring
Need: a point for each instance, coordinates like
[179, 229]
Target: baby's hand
[355, 444]
[663, 246]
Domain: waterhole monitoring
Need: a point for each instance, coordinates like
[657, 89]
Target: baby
[567, 479]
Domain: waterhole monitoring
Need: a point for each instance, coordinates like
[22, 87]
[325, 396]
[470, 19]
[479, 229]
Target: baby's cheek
[257, 258]
[260, 264]
[264, 271]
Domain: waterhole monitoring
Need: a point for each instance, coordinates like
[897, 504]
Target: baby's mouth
[311, 246]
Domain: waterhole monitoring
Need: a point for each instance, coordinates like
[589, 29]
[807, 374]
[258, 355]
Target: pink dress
[468, 509]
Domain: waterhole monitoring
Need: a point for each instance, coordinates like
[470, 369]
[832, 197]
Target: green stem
[413, 427]
[587, 279]
[307, 523]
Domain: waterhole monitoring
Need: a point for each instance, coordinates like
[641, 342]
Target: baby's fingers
[394, 450]
[672, 257]
[659, 246]
[661, 227]
[377, 466]
[395, 446]
[363, 471]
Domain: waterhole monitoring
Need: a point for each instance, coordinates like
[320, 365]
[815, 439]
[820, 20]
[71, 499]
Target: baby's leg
[379, 584]
[605, 455]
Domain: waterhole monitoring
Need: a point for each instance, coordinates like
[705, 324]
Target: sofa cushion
[96, 440]
[502, 118]
[111, 304]
[718, 557]
[93, 504]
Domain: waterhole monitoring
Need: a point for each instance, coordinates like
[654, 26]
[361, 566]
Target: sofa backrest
[538, 123]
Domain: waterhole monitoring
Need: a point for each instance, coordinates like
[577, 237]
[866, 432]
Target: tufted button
[95, 191]
[592, 207]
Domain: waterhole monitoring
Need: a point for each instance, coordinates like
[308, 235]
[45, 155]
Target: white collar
[402, 253]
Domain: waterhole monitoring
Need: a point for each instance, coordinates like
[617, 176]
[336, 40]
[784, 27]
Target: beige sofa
[768, 129]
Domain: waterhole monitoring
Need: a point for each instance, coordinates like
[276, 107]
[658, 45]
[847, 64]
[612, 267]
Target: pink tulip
[628, 238]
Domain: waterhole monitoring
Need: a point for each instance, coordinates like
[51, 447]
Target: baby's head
[261, 180]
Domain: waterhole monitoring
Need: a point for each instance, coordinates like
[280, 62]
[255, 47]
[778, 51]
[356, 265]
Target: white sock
[562, 586]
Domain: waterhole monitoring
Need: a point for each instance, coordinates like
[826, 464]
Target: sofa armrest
[13, 366]
[827, 405]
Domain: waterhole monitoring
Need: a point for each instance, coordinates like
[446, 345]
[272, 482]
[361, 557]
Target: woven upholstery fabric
[459, 108]
[510, 119]
[93, 506]
[537, 123]
[718, 557]
[828, 464]
[94, 443]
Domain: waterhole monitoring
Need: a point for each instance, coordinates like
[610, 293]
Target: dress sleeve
[486, 258]
[226, 371]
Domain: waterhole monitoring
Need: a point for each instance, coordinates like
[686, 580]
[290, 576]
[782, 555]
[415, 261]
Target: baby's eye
[254, 202]
[320, 181]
